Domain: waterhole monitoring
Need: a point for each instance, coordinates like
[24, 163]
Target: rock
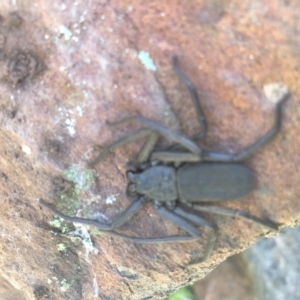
[274, 266]
[53, 123]
[267, 270]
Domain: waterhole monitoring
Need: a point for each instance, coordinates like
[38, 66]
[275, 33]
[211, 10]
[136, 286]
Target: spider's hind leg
[186, 221]
[236, 213]
[200, 222]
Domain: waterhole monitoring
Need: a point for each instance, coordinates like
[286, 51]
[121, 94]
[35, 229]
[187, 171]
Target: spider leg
[194, 95]
[122, 141]
[175, 157]
[164, 131]
[172, 216]
[156, 130]
[236, 213]
[123, 218]
[179, 217]
[194, 233]
[148, 147]
[214, 156]
[200, 222]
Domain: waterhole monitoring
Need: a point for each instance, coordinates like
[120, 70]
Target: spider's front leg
[123, 218]
[154, 130]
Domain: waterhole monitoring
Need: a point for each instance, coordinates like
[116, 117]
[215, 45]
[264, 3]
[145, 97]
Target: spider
[183, 174]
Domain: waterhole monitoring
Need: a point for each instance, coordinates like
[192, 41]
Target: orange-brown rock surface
[66, 68]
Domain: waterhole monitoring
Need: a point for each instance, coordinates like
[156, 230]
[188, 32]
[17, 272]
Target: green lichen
[65, 285]
[70, 203]
[56, 222]
[61, 224]
[61, 247]
[82, 180]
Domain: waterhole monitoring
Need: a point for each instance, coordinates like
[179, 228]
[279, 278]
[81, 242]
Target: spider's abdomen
[202, 182]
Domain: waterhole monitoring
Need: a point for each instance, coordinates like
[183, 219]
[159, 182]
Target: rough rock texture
[68, 67]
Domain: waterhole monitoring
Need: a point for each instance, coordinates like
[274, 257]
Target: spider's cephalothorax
[186, 174]
[157, 183]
